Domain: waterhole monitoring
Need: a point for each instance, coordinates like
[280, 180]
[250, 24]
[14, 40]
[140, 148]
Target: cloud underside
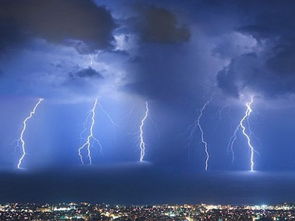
[79, 23]
[269, 70]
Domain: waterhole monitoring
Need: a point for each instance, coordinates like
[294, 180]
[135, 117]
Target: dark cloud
[84, 81]
[240, 74]
[58, 21]
[270, 69]
[161, 26]
[86, 73]
[270, 76]
[224, 80]
[272, 20]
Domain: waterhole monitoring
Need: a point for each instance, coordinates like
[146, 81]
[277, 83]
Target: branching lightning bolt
[141, 130]
[90, 136]
[204, 142]
[21, 138]
[243, 127]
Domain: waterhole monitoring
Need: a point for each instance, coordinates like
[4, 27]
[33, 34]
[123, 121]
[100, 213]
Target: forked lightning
[90, 136]
[246, 117]
[242, 126]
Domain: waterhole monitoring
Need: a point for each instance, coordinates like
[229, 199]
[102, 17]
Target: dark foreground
[87, 211]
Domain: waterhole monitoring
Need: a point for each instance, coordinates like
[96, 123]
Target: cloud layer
[159, 51]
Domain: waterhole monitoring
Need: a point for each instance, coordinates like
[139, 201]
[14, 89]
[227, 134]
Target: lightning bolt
[90, 136]
[243, 127]
[204, 142]
[21, 138]
[141, 134]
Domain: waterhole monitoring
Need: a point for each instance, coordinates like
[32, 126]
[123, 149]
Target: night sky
[175, 55]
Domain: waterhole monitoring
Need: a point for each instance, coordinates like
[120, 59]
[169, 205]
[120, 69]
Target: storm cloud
[160, 25]
[80, 23]
[238, 47]
[269, 70]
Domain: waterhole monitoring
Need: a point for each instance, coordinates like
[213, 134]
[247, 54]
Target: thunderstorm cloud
[73, 22]
[151, 49]
[269, 69]
[160, 25]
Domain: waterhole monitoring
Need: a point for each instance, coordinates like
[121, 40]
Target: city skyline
[105, 212]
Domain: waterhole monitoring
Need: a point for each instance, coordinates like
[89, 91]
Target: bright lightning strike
[141, 130]
[204, 142]
[90, 136]
[21, 139]
[243, 127]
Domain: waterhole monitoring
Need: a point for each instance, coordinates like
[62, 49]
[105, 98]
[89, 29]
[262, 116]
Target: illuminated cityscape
[105, 212]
